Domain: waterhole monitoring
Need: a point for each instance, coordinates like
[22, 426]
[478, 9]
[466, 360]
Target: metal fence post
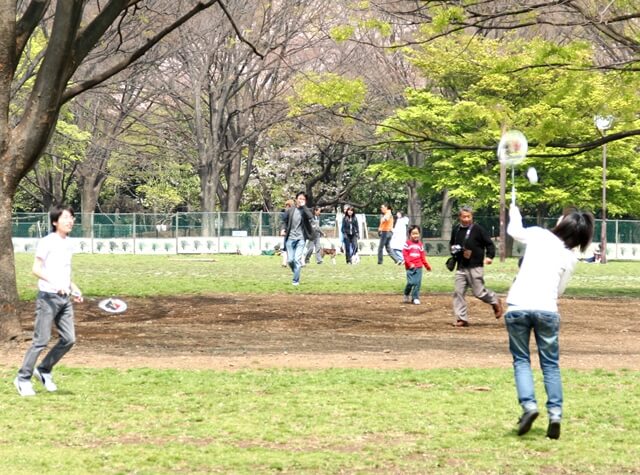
[260, 233]
[218, 230]
[617, 238]
[134, 233]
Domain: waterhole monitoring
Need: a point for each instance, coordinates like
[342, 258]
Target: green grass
[330, 421]
[457, 421]
[138, 275]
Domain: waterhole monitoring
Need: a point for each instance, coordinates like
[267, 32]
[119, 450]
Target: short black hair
[56, 212]
[575, 229]
[412, 227]
[301, 193]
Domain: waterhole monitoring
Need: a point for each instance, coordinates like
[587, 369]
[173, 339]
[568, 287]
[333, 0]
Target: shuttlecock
[532, 175]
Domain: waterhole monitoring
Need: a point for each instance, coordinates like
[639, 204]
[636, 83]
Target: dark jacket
[307, 217]
[478, 243]
[315, 225]
[350, 227]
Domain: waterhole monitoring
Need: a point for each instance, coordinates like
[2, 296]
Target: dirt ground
[314, 331]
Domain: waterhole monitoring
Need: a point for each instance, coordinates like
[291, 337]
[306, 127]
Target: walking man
[296, 229]
[472, 248]
[56, 291]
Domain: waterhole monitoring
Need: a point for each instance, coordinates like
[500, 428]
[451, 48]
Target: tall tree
[74, 60]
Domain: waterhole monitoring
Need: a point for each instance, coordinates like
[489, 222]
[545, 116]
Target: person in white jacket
[544, 273]
[399, 237]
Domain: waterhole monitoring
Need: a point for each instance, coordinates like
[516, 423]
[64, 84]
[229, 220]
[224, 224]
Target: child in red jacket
[414, 260]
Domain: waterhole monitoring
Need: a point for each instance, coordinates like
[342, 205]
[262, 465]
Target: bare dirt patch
[321, 331]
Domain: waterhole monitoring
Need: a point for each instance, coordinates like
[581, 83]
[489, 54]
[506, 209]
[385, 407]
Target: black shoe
[553, 431]
[526, 421]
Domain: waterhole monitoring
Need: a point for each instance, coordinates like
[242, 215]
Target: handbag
[451, 263]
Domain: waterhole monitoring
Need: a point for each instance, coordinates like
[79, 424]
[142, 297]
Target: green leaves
[330, 91]
[476, 88]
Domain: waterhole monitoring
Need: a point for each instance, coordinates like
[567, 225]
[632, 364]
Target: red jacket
[413, 254]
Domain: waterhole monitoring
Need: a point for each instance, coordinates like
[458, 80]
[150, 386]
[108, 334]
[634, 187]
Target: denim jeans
[545, 326]
[397, 253]
[414, 281]
[295, 251]
[350, 247]
[50, 309]
[385, 240]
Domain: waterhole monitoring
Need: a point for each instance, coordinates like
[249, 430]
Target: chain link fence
[221, 232]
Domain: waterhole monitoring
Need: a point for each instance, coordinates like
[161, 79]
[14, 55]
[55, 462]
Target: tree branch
[91, 31]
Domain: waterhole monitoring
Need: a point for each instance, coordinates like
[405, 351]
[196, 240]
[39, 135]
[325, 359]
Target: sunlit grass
[329, 421]
[139, 275]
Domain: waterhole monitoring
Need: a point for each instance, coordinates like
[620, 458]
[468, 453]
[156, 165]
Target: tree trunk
[414, 203]
[9, 321]
[88, 202]
[447, 221]
[209, 178]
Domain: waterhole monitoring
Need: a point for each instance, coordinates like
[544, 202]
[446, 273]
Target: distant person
[414, 259]
[345, 207]
[597, 255]
[297, 229]
[287, 204]
[350, 234]
[532, 304]
[313, 245]
[399, 237]
[469, 242]
[56, 292]
[385, 230]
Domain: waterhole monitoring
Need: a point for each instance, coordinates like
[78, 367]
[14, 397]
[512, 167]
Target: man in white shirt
[56, 291]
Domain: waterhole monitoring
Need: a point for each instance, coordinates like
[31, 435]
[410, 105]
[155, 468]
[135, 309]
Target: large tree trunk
[9, 321]
[88, 201]
[209, 179]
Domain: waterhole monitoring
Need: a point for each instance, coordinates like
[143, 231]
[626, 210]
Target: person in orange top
[385, 230]
[414, 260]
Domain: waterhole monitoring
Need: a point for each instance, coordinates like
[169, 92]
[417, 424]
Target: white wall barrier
[263, 245]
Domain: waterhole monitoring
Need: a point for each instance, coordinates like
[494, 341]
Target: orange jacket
[386, 222]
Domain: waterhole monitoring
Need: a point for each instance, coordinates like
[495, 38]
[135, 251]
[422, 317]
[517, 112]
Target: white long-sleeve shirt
[545, 270]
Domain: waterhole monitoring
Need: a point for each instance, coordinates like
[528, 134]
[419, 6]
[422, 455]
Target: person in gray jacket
[297, 229]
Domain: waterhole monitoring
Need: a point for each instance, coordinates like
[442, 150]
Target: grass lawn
[139, 275]
[330, 421]
[309, 421]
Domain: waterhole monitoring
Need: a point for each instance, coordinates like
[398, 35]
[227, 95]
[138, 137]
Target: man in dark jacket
[296, 229]
[472, 247]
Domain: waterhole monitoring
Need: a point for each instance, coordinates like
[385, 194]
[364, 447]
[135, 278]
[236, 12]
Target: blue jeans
[51, 309]
[350, 247]
[295, 251]
[545, 326]
[414, 281]
[385, 240]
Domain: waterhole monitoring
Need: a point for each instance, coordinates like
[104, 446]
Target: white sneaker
[25, 388]
[416, 301]
[295, 283]
[407, 299]
[46, 379]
